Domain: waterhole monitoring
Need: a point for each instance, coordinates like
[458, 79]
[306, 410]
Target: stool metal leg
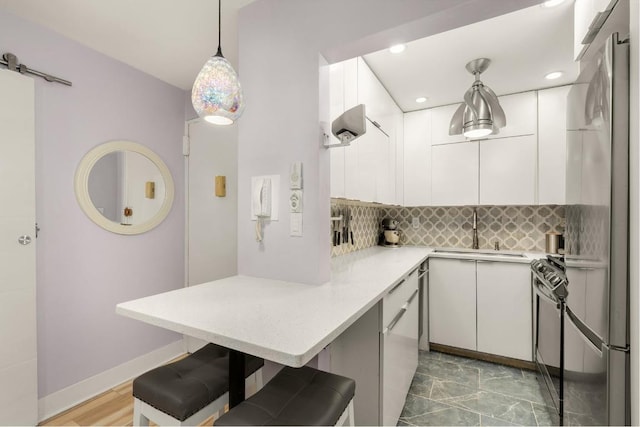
[138, 418]
[347, 418]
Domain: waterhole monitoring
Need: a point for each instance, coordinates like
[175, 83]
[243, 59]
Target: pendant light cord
[219, 53]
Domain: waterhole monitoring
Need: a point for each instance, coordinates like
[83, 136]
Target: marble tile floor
[452, 390]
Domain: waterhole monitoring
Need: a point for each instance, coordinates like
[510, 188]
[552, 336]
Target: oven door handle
[587, 335]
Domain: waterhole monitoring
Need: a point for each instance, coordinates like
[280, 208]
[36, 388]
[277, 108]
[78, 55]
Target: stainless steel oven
[549, 286]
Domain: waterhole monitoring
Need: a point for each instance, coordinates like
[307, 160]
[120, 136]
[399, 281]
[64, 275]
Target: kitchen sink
[476, 252]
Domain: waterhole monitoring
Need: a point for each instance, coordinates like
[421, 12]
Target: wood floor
[111, 408]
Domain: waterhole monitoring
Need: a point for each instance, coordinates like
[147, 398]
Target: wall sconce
[150, 190]
[221, 186]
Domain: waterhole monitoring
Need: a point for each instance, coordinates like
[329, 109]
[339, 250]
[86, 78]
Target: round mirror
[124, 187]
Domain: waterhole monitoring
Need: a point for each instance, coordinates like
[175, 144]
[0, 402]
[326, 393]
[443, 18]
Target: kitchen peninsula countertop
[281, 321]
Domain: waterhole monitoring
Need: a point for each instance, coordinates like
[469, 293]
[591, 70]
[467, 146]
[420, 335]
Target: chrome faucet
[475, 230]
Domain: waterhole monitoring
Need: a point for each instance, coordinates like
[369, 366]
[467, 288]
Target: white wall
[279, 44]
[634, 220]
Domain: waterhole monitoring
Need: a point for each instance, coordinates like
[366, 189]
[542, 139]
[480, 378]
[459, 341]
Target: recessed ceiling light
[397, 48]
[553, 75]
[552, 3]
[421, 99]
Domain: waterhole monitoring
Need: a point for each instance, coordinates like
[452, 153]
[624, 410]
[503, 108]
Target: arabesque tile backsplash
[514, 227]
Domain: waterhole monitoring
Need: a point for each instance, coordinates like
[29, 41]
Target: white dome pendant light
[217, 95]
[480, 114]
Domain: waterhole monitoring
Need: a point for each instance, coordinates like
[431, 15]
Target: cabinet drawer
[398, 296]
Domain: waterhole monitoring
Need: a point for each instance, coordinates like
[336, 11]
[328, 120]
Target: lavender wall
[82, 270]
[280, 42]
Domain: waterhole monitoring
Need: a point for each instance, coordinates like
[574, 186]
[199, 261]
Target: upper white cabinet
[588, 16]
[454, 174]
[552, 145]
[521, 112]
[366, 170]
[519, 109]
[440, 119]
[417, 158]
[508, 171]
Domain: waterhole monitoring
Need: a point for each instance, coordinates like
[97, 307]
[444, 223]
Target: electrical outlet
[415, 222]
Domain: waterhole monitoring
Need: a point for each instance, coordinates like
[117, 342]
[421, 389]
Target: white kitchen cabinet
[586, 20]
[365, 170]
[504, 309]
[336, 107]
[343, 95]
[417, 158]
[452, 302]
[454, 174]
[440, 119]
[508, 171]
[552, 145]
[399, 344]
[520, 110]
[399, 159]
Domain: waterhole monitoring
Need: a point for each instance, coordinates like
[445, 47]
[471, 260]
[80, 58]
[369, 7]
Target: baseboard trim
[516, 363]
[59, 401]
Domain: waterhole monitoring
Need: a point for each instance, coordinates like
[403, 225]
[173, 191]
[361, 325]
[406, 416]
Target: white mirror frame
[84, 199]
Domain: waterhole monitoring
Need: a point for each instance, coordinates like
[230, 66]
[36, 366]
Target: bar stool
[189, 391]
[302, 396]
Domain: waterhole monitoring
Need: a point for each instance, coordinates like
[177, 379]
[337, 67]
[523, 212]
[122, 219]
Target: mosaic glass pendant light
[217, 95]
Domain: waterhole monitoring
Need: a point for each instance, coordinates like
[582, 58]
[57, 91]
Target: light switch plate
[295, 176]
[295, 201]
[295, 225]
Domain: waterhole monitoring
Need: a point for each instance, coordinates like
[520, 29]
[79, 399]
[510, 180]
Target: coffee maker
[389, 233]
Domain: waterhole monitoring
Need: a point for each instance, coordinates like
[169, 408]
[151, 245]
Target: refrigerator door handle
[592, 339]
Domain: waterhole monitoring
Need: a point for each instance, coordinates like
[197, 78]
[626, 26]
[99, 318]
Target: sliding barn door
[18, 363]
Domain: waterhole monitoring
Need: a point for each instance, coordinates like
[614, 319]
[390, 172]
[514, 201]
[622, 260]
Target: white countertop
[284, 322]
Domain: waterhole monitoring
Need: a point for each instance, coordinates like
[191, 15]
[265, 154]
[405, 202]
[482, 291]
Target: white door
[212, 221]
[454, 174]
[18, 362]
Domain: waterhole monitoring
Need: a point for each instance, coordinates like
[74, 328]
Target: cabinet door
[441, 118]
[508, 171]
[552, 145]
[336, 107]
[520, 110]
[343, 95]
[417, 158]
[452, 302]
[400, 360]
[454, 174]
[504, 309]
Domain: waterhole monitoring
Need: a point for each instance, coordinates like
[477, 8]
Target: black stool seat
[182, 388]
[303, 396]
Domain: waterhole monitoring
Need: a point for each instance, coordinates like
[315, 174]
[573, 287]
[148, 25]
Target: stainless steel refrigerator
[596, 344]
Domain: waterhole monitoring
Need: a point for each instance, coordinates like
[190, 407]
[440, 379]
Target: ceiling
[171, 40]
[523, 47]
[168, 39]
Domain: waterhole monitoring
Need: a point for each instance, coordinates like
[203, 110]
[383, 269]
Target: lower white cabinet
[452, 302]
[481, 305]
[380, 352]
[399, 355]
[504, 309]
